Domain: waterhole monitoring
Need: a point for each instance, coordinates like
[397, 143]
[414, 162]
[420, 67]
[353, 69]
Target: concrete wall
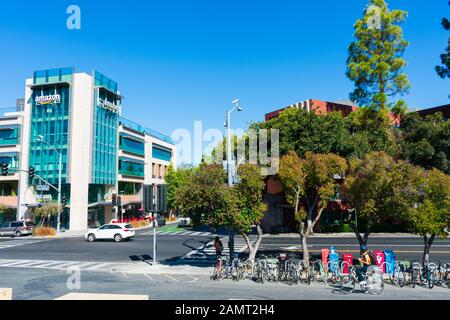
[81, 144]
[25, 196]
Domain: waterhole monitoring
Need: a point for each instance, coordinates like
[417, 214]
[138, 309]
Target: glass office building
[79, 116]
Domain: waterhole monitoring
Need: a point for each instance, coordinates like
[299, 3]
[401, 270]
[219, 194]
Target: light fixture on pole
[237, 107]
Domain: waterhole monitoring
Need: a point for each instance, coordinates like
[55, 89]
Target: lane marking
[145, 274]
[168, 276]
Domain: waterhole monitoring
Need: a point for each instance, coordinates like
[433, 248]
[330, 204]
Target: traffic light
[64, 201]
[5, 169]
[32, 173]
[119, 201]
[114, 199]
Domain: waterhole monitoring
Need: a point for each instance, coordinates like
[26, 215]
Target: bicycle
[304, 271]
[261, 269]
[372, 283]
[333, 272]
[319, 272]
[425, 273]
[443, 274]
[219, 269]
[292, 271]
[398, 276]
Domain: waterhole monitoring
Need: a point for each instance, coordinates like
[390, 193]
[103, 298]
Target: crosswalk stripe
[5, 262]
[100, 266]
[10, 264]
[56, 265]
[19, 242]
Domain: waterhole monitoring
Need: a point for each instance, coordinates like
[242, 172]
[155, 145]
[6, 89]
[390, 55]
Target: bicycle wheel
[375, 283]
[346, 283]
[447, 278]
[398, 277]
[431, 279]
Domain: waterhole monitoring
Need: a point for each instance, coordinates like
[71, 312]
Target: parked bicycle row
[341, 273]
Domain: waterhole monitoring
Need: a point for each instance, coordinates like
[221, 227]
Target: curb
[343, 235]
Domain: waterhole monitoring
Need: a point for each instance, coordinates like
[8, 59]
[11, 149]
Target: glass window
[162, 153]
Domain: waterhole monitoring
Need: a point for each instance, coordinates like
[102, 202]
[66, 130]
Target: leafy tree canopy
[375, 62]
[444, 70]
[426, 141]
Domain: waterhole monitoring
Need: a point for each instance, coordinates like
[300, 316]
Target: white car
[113, 231]
[184, 222]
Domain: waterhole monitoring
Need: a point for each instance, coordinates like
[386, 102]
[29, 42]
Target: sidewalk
[342, 235]
[161, 269]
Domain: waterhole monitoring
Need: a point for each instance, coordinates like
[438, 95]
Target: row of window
[159, 171]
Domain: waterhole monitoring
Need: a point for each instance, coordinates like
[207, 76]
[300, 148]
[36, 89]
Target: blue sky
[179, 61]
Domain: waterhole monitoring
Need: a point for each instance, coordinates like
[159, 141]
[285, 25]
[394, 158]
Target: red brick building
[320, 107]
[445, 110]
[280, 217]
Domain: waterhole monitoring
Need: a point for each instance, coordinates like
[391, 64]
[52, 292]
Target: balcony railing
[130, 149]
[132, 173]
[9, 141]
[137, 127]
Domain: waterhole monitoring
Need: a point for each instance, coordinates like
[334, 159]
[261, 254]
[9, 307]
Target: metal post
[58, 227]
[119, 204]
[155, 201]
[230, 179]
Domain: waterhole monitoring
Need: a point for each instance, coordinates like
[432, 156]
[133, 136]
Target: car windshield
[129, 226]
[29, 224]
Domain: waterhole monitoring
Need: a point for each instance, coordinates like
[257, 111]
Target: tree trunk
[305, 249]
[427, 246]
[253, 249]
[362, 240]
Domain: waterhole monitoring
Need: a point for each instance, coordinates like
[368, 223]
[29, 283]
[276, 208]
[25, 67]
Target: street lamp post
[41, 139]
[155, 205]
[229, 161]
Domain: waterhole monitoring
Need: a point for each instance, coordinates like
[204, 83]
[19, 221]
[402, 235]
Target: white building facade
[78, 115]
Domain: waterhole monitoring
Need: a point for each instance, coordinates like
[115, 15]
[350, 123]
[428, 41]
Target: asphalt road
[169, 247]
[47, 283]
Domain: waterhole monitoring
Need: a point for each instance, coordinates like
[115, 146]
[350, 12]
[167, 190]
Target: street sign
[42, 187]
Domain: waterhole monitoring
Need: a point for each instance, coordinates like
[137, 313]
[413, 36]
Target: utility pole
[155, 204]
[58, 228]
[237, 107]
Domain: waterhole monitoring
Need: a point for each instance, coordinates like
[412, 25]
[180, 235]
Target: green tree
[310, 183]
[204, 194]
[302, 131]
[244, 207]
[430, 217]
[208, 199]
[380, 189]
[47, 211]
[176, 179]
[444, 70]
[375, 62]
[426, 141]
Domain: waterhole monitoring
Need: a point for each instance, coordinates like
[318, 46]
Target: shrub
[172, 219]
[140, 224]
[346, 228]
[44, 232]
